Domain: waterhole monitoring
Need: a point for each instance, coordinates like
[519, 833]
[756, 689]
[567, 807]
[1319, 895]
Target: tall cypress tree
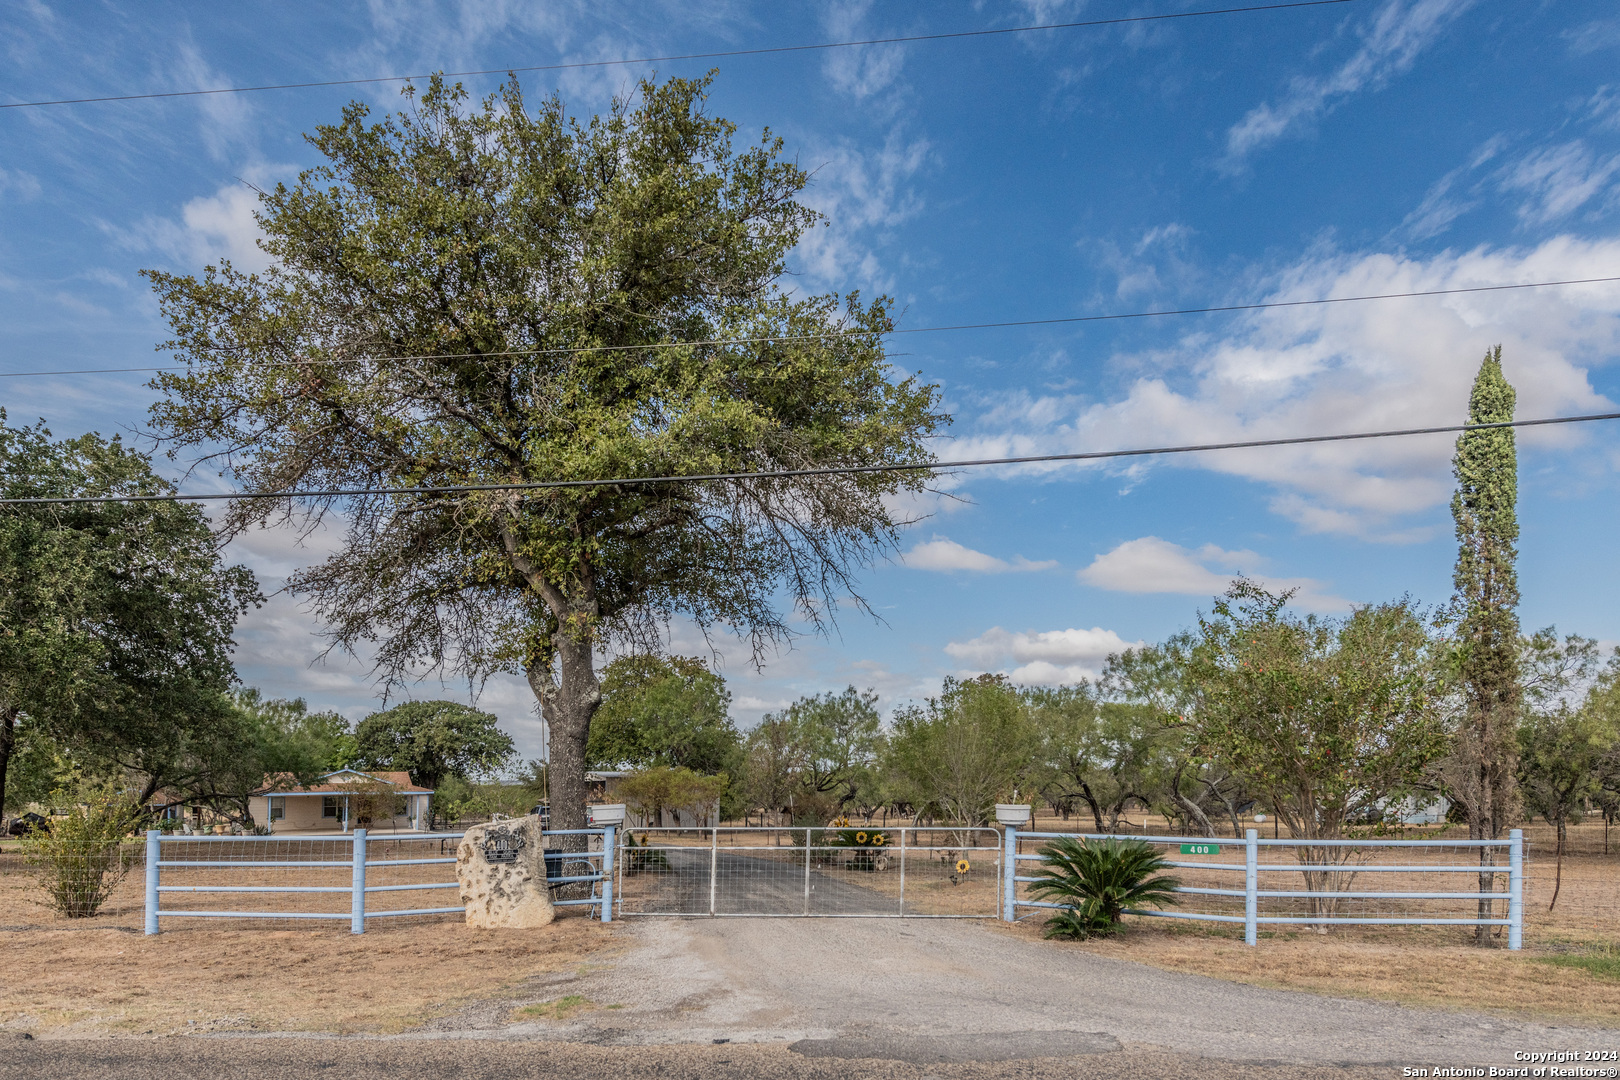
[1484, 761]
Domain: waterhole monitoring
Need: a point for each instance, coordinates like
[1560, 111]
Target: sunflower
[877, 838]
[860, 838]
[963, 866]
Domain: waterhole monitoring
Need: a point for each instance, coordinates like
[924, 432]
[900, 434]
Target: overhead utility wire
[693, 56]
[831, 470]
[861, 333]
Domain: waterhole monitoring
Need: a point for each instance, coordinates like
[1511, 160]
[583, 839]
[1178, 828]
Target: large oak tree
[494, 294]
[115, 618]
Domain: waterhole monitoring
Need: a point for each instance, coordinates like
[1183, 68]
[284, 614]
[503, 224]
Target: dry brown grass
[102, 976]
[1435, 968]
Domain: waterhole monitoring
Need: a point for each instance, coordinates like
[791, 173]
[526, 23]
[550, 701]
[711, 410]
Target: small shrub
[640, 859]
[83, 857]
[1096, 881]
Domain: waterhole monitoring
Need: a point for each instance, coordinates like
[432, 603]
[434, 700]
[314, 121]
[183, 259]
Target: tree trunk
[1558, 875]
[1194, 813]
[1096, 810]
[1477, 828]
[568, 702]
[8, 739]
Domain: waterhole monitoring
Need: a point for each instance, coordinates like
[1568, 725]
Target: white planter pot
[1012, 814]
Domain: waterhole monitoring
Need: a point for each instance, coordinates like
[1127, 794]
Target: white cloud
[453, 35]
[1559, 180]
[1442, 203]
[941, 553]
[1603, 109]
[210, 228]
[1043, 658]
[1391, 42]
[862, 71]
[18, 184]
[863, 193]
[1343, 368]
[1594, 36]
[227, 118]
[1152, 565]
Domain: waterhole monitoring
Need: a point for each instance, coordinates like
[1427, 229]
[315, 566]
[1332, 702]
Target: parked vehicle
[23, 824]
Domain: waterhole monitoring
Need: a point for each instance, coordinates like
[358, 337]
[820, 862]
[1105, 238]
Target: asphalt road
[330, 1059]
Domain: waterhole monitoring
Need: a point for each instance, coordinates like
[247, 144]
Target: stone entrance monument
[501, 868]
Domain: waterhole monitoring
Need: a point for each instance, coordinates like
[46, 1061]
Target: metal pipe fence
[380, 875]
[1330, 870]
[851, 872]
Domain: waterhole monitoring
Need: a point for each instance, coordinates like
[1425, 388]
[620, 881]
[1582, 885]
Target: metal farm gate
[858, 872]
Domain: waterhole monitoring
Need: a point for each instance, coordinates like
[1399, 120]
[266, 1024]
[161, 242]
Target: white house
[340, 801]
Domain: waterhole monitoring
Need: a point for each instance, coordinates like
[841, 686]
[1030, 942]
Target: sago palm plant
[1096, 881]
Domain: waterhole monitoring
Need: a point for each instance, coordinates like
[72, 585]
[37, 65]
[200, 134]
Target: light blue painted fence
[1252, 895]
[330, 852]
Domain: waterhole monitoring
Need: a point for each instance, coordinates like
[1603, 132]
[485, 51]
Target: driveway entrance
[859, 872]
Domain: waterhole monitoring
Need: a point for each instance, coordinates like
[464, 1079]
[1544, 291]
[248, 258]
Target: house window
[277, 813]
[330, 805]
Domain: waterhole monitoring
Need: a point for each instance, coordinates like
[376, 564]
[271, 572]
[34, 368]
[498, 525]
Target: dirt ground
[103, 976]
[1437, 969]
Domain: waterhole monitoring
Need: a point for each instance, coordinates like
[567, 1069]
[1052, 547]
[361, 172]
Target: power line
[832, 470]
[693, 56]
[862, 333]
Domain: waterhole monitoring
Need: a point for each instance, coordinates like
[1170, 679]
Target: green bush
[1096, 881]
[639, 858]
[83, 857]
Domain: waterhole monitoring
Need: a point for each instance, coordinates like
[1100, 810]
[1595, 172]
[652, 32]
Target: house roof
[339, 782]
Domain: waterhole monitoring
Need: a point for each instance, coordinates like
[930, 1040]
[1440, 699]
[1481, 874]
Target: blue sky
[1369, 147]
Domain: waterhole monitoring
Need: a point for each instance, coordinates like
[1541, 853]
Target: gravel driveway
[892, 988]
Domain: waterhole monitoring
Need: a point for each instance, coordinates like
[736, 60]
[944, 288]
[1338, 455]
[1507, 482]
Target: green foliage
[432, 740]
[1480, 774]
[535, 781]
[1559, 754]
[1096, 880]
[653, 790]
[1107, 755]
[837, 740]
[83, 857]
[115, 618]
[658, 711]
[1328, 721]
[641, 859]
[1569, 735]
[1079, 923]
[961, 751]
[536, 264]
[455, 799]
[38, 767]
[771, 762]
